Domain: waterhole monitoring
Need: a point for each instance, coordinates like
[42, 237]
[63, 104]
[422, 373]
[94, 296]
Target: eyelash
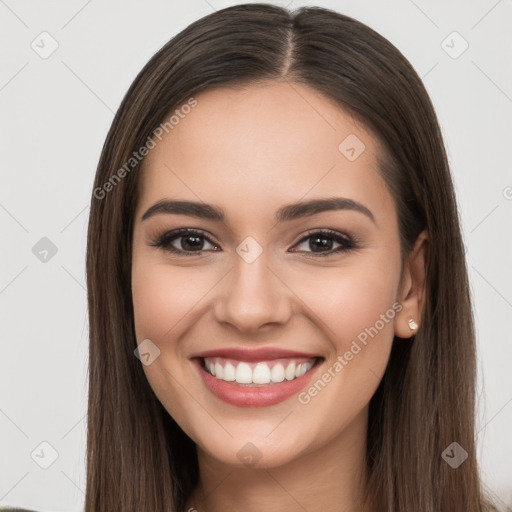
[348, 242]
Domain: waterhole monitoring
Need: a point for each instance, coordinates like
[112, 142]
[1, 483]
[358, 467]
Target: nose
[253, 296]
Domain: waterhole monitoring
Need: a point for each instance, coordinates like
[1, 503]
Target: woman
[318, 350]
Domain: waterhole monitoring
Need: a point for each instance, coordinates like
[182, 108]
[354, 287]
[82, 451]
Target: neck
[329, 479]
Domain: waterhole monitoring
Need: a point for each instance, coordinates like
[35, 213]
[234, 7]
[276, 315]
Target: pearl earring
[413, 325]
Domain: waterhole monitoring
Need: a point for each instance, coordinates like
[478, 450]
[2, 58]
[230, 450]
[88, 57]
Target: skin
[251, 151]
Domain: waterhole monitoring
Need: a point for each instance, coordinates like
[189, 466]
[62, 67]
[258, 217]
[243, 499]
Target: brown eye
[183, 241]
[321, 243]
[190, 242]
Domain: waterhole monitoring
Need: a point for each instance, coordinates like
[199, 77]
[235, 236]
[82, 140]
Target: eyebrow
[289, 212]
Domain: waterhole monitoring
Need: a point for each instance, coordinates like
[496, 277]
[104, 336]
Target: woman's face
[262, 291]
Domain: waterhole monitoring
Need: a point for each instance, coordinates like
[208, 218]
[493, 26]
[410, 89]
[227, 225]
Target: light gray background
[55, 115]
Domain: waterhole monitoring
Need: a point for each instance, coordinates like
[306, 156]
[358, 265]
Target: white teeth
[229, 372]
[259, 373]
[219, 371]
[277, 373]
[243, 373]
[290, 372]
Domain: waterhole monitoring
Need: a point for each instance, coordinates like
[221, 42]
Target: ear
[412, 293]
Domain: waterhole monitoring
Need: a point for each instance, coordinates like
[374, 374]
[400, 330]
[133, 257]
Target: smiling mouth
[258, 373]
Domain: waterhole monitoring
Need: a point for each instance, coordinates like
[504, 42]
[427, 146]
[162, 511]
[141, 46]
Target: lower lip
[245, 396]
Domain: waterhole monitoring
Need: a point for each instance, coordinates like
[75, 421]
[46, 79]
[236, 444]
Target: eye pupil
[320, 242]
[194, 245]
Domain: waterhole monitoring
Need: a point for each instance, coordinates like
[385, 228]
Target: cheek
[162, 297]
[355, 308]
[350, 299]
[368, 296]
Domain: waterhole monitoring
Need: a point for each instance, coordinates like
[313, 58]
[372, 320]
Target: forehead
[261, 146]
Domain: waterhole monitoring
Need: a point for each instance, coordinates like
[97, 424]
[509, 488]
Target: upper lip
[259, 354]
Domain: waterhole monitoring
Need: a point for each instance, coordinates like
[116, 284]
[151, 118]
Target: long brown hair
[138, 458]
